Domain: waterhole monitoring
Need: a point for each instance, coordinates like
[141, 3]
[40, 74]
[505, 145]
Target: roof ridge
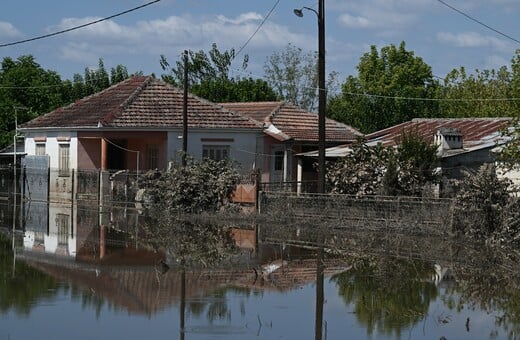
[275, 111]
[109, 117]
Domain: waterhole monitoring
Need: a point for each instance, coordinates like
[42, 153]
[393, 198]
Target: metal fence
[412, 214]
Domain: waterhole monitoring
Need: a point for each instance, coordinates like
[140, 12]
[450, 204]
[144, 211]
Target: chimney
[447, 138]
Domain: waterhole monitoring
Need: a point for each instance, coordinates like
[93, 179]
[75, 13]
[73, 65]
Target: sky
[444, 38]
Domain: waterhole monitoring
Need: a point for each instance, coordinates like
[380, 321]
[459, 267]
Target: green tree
[209, 78]
[379, 96]
[27, 90]
[234, 90]
[482, 94]
[293, 74]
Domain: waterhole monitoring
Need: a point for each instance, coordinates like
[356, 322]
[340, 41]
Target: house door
[280, 165]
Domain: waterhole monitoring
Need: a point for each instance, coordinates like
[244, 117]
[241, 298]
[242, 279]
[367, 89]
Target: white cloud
[171, 35]
[352, 21]
[386, 17]
[7, 30]
[473, 40]
[242, 18]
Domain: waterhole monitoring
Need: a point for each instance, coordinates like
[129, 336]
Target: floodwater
[77, 271]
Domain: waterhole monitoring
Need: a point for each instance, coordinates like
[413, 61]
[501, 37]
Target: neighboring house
[137, 125]
[463, 143]
[289, 131]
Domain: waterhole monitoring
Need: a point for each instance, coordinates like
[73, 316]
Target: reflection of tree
[389, 294]
[492, 286]
[21, 290]
[190, 242]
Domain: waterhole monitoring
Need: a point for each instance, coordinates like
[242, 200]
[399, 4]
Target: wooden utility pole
[185, 111]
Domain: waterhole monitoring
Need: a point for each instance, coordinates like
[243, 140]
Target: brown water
[76, 272]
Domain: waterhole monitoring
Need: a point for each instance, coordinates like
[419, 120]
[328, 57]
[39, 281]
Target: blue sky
[442, 37]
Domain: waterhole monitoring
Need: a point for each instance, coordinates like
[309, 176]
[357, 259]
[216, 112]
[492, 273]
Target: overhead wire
[259, 27]
[478, 21]
[79, 26]
[364, 94]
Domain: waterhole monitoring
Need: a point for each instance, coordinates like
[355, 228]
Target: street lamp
[322, 92]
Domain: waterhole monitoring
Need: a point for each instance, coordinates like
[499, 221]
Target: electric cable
[479, 22]
[259, 27]
[77, 27]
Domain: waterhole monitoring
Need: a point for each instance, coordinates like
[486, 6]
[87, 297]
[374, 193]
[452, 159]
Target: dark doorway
[116, 153]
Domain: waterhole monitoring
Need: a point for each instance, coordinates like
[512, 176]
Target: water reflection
[260, 282]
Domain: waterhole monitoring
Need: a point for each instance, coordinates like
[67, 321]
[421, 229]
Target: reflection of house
[137, 125]
[289, 131]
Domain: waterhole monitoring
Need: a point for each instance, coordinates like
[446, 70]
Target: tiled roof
[475, 131]
[285, 121]
[141, 102]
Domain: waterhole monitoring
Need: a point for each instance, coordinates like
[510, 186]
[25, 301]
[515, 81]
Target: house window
[63, 159]
[215, 152]
[40, 149]
[278, 160]
[152, 156]
[62, 224]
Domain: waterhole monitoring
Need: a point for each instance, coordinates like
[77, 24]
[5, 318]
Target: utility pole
[185, 111]
[322, 97]
[322, 91]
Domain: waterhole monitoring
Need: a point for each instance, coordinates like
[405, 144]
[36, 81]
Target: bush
[199, 186]
[485, 208]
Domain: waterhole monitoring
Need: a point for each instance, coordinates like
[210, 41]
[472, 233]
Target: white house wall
[52, 146]
[246, 147]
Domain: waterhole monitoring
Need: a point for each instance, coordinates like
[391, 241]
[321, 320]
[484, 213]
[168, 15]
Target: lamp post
[322, 92]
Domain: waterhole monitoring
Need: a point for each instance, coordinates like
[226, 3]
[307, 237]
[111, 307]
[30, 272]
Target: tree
[208, 77]
[27, 90]
[379, 96]
[293, 75]
[371, 170]
[482, 94]
[361, 171]
[234, 90]
[481, 201]
[416, 161]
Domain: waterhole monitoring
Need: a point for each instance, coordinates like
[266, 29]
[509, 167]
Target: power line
[478, 21]
[433, 99]
[78, 27]
[369, 95]
[259, 26]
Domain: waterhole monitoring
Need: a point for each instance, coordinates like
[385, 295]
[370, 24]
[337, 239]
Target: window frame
[216, 152]
[64, 160]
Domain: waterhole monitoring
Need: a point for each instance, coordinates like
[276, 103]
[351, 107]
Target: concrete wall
[245, 146]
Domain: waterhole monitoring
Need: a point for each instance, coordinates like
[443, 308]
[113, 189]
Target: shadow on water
[222, 280]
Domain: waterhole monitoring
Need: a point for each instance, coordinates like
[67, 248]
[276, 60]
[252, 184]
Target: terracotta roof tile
[141, 102]
[294, 123]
